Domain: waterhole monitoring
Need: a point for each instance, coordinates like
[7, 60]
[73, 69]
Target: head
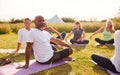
[27, 22]
[46, 24]
[78, 25]
[109, 24]
[39, 22]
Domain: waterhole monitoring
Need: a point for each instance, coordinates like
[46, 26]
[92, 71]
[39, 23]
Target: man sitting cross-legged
[40, 40]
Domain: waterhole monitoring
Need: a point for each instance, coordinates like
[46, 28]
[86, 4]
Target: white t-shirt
[116, 58]
[41, 44]
[23, 36]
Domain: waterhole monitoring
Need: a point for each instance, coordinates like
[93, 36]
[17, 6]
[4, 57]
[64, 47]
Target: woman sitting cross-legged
[112, 64]
[107, 33]
[79, 35]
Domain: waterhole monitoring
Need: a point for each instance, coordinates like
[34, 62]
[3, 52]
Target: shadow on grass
[99, 70]
[79, 48]
[59, 70]
[106, 47]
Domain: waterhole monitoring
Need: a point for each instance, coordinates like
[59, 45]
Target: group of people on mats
[40, 38]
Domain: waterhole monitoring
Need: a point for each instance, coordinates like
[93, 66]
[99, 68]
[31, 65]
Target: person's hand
[78, 40]
[19, 67]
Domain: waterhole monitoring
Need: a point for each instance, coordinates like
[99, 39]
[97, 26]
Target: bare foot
[109, 45]
[67, 59]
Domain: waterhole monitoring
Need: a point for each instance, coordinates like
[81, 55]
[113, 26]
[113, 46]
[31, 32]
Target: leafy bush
[62, 26]
[4, 29]
[15, 27]
[68, 19]
[13, 20]
[67, 27]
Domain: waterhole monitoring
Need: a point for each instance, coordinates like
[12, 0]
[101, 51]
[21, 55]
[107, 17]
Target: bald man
[40, 40]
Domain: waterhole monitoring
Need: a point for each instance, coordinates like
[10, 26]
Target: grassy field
[81, 66]
[88, 26]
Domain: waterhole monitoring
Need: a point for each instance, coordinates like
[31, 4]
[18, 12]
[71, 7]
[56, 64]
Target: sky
[79, 9]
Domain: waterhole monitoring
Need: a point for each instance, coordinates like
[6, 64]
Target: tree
[68, 19]
[13, 20]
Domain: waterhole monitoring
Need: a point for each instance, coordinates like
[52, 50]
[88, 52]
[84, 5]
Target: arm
[68, 35]
[98, 31]
[59, 42]
[19, 41]
[53, 31]
[27, 55]
[18, 47]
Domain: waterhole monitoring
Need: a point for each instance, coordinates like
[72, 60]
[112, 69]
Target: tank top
[106, 35]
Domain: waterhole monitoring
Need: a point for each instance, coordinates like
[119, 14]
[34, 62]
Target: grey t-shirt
[77, 33]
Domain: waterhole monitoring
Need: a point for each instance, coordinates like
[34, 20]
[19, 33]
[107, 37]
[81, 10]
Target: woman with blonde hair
[79, 35]
[107, 34]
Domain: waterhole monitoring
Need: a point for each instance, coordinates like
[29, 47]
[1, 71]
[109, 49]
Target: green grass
[81, 66]
[8, 41]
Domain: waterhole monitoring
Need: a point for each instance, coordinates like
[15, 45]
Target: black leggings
[63, 34]
[104, 42]
[104, 62]
[80, 42]
[58, 55]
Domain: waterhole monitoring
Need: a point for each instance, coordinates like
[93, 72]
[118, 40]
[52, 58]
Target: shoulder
[21, 30]
[102, 28]
[33, 30]
[46, 32]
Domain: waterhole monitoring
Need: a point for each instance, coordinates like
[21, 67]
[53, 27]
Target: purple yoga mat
[34, 67]
[10, 51]
[111, 73]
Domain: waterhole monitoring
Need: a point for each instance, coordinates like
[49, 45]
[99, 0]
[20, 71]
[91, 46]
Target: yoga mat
[110, 72]
[11, 51]
[68, 41]
[78, 44]
[34, 67]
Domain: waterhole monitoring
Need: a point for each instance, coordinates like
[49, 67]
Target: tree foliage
[68, 19]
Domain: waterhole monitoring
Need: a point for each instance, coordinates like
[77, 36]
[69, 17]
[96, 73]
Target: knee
[96, 39]
[93, 56]
[70, 51]
[63, 33]
[87, 41]
[72, 41]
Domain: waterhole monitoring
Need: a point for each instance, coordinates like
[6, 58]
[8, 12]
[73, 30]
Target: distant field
[88, 26]
[81, 66]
